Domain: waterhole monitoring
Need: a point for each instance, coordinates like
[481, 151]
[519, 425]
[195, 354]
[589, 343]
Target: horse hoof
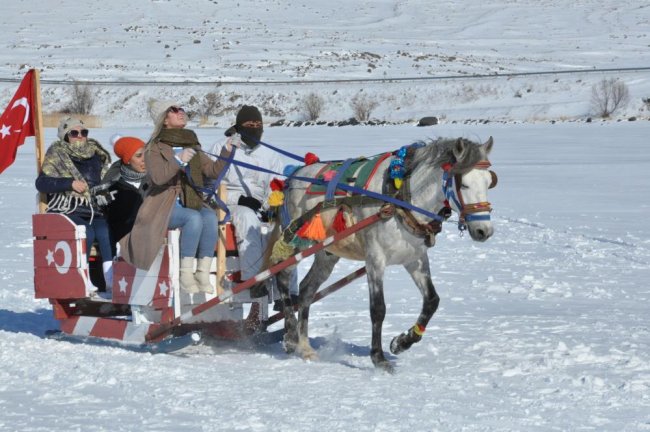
[386, 366]
[310, 356]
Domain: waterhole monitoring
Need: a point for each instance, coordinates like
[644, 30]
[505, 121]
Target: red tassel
[313, 229]
[311, 158]
[338, 224]
[277, 184]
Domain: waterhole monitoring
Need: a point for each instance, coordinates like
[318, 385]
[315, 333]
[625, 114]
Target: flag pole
[38, 135]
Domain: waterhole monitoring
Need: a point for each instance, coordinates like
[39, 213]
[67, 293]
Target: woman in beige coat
[176, 168]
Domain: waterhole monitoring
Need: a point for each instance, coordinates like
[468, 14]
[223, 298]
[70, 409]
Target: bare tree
[609, 95]
[312, 105]
[210, 105]
[82, 100]
[363, 105]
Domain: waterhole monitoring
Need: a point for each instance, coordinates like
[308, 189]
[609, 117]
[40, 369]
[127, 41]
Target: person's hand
[186, 155]
[79, 186]
[233, 142]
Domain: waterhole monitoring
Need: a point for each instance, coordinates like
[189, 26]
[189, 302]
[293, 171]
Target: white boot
[202, 275]
[188, 283]
[107, 267]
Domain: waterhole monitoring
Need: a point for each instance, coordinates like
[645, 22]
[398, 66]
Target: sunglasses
[76, 133]
[175, 110]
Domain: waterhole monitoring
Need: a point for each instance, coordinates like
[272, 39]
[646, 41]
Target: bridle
[467, 210]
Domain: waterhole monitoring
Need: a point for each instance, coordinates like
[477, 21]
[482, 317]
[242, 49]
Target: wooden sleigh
[141, 300]
[147, 310]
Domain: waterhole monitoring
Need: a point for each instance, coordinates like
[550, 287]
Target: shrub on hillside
[609, 95]
[311, 106]
[362, 106]
[82, 100]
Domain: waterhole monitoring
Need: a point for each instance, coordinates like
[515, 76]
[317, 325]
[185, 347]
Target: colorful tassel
[311, 158]
[398, 183]
[313, 229]
[277, 184]
[281, 251]
[276, 198]
[301, 243]
[339, 224]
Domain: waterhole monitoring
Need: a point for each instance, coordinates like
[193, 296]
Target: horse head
[466, 187]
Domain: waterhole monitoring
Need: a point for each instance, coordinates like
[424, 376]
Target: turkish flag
[17, 121]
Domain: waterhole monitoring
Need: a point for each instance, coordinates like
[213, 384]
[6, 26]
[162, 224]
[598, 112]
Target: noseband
[467, 210]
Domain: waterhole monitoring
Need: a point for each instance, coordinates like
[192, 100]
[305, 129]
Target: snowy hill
[289, 48]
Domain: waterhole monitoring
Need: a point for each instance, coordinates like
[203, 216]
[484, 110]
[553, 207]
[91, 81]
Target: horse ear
[460, 149]
[488, 145]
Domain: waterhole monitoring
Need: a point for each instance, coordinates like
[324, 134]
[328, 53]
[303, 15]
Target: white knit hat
[67, 124]
[158, 108]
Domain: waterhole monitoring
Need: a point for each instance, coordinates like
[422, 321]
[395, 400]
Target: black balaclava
[250, 136]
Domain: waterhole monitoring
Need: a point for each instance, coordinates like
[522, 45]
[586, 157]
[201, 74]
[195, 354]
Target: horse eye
[463, 186]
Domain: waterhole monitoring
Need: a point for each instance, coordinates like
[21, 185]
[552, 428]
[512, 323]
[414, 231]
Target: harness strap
[343, 186]
[331, 187]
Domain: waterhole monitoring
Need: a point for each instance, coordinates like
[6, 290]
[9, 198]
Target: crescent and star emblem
[6, 130]
[22, 102]
[67, 257]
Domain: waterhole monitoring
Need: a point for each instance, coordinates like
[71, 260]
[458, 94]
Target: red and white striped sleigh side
[141, 300]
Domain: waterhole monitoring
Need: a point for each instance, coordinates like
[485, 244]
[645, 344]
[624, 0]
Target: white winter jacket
[248, 182]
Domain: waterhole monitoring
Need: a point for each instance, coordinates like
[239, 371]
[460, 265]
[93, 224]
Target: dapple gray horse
[401, 239]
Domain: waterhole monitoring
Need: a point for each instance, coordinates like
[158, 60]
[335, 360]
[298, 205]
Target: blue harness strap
[343, 186]
[333, 184]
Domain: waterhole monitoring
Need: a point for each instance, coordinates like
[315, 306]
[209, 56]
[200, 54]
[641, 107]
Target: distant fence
[333, 81]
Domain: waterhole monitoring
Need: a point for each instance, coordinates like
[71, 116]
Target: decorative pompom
[313, 229]
[339, 224]
[311, 158]
[329, 175]
[288, 170]
[277, 184]
[446, 166]
[398, 183]
[281, 251]
[276, 198]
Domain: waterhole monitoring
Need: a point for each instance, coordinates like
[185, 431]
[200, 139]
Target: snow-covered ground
[543, 327]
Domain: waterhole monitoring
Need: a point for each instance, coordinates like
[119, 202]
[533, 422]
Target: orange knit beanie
[125, 147]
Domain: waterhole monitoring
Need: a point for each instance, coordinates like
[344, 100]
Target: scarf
[187, 138]
[58, 160]
[130, 175]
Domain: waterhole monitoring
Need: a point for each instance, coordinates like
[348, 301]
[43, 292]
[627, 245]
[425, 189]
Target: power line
[333, 81]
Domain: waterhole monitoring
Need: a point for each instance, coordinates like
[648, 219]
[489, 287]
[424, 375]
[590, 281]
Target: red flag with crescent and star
[17, 121]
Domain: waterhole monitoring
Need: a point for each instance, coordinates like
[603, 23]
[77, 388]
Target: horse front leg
[375, 271]
[421, 274]
[320, 270]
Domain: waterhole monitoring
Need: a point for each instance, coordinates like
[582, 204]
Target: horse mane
[441, 151]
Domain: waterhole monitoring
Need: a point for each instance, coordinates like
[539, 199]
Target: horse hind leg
[421, 274]
[320, 270]
[290, 341]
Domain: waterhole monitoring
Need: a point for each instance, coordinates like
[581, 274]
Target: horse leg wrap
[404, 341]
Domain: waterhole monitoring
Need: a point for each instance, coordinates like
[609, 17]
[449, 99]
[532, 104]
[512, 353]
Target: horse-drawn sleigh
[388, 215]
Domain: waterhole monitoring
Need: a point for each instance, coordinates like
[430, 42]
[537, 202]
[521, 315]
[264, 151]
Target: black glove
[249, 202]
